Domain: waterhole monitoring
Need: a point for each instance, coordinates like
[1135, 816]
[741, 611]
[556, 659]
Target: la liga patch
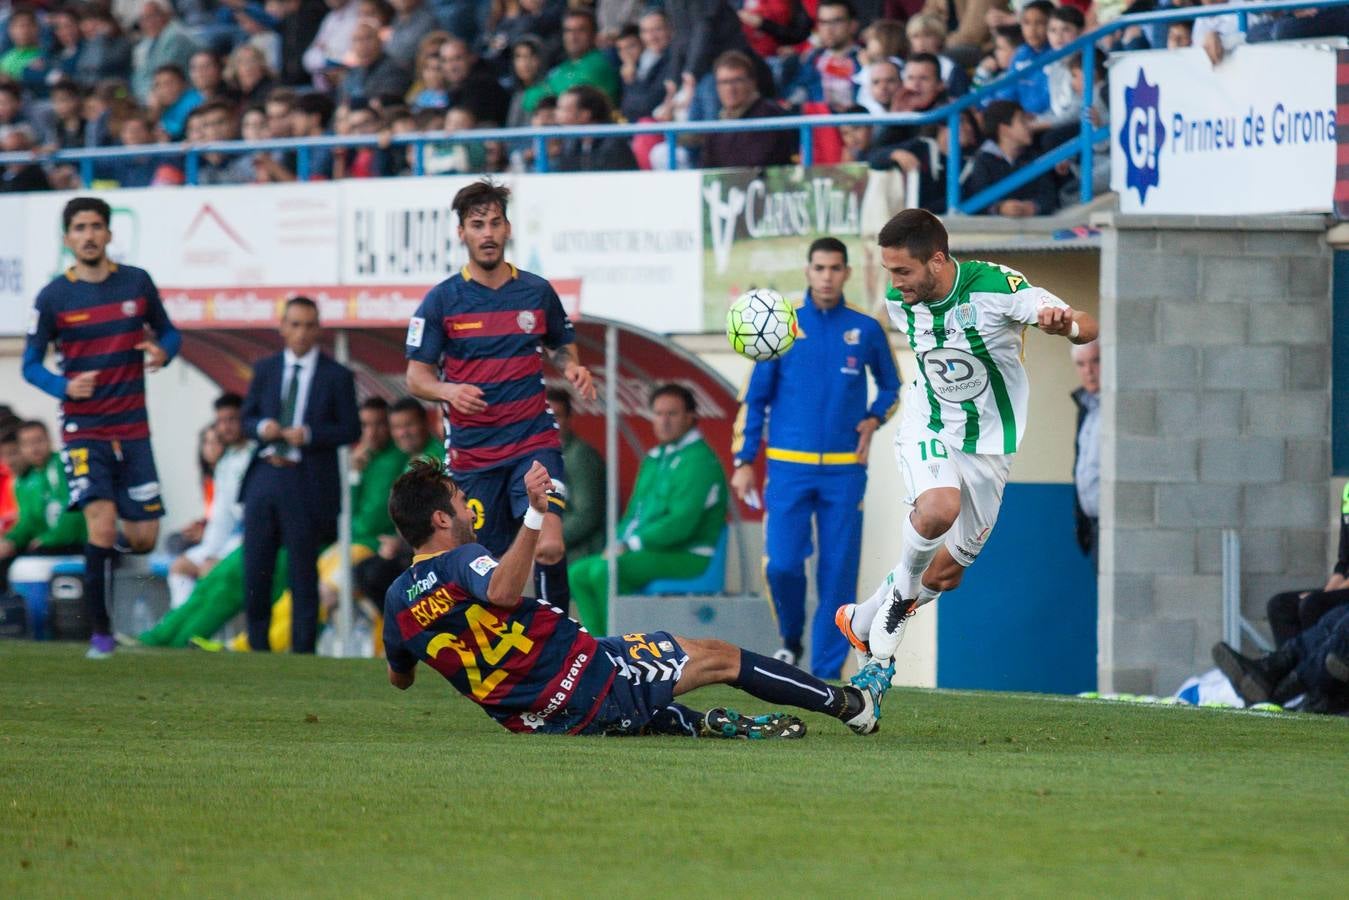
[483, 564]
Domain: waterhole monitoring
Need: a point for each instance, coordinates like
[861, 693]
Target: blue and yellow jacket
[814, 395]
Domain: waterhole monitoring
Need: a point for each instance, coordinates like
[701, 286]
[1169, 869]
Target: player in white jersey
[962, 418]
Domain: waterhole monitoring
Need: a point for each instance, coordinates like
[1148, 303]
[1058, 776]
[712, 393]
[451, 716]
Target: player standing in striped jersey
[476, 345]
[963, 417]
[101, 316]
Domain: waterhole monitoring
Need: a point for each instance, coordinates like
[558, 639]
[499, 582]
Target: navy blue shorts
[120, 471]
[497, 496]
[646, 669]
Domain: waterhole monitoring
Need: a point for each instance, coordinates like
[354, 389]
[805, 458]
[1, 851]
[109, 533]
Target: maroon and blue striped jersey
[493, 339]
[531, 668]
[96, 327]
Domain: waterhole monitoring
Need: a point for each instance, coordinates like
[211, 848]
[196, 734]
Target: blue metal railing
[1081, 146]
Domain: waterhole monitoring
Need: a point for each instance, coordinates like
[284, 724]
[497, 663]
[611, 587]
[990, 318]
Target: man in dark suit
[302, 408]
[1087, 460]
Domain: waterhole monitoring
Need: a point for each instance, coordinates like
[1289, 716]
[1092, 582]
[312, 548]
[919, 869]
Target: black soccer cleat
[1249, 678]
[727, 723]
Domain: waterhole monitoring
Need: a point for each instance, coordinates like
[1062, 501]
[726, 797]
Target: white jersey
[969, 347]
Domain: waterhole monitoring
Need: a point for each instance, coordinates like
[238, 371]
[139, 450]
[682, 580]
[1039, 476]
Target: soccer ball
[761, 324]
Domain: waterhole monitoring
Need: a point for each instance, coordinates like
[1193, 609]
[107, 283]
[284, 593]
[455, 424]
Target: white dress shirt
[308, 363]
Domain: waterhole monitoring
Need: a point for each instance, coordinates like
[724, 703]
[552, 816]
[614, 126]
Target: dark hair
[532, 41]
[928, 58]
[281, 95]
[375, 402]
[172, 69]
[917, 231]
[384, 12]
[560, 396]
[421, 491]
[315, 105]
[827, 245]
[9, 87]
[1010, 33]
[670, 389]
[22, 12]
[65, 86]
[301, 301]
[997, 114]
[546, 103]
[31, 424]
[210, 54]
[629, 30]
[204, 469]
[480, 195]
[846, 4]
[1187, 24]
[593, 101]
[228, 400]
[734, 59]
[409, 404]
[582, 14]
[1043, 6]
[1069, 15]
[85, 204]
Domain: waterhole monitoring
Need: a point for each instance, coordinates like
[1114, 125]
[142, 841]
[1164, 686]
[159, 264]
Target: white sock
[180, 588]
[926, 595]
[902, 574]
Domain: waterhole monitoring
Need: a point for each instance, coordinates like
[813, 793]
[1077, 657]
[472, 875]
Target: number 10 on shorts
[934, 447]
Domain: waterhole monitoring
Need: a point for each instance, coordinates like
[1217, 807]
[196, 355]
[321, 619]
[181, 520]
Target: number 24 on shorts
[938, 449]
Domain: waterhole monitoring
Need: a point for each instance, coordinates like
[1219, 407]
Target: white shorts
[926, 461]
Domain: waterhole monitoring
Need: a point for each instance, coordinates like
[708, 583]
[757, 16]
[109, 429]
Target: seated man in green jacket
[585, 64]
[45, 526]
[674, 518]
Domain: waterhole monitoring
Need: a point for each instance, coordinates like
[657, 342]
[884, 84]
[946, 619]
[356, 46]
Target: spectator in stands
[66, 45]
[212, 123]
[583, 526]
[332, 44]
[585, 63]
[509, 21]
[581, 106]
[968, 25]
[164, 42]
[302, 406]
[1033, 88]
[1061, 121]
[856, 139]
[883, 41]
[298, 23]
[1323, 21]
[545, 116]
[310, 117]
[827, 72]
[1005, 149]
[927, 155]
[644, 79]
[11, 104]
[1179, 35]
[1314, 665]
[363, 162]
[280, 107]
[413, 20]
[171, 100]
[703, 30]
[373, 75]
[674, 518]
[772, 28]
[249, 75]
[206, 75]
[224, 522]
[1087, 454]
[21, 176]
[740, 99]
[526, 70]
[106, 52]
[927, 34]
[612, 16]
[1006, 40]
[134, 131]
[884, 82]
[45, 525]
[261, 35]
[921, 90]
[65, 128]
[24, 61]
[471, 83]
[456, 158]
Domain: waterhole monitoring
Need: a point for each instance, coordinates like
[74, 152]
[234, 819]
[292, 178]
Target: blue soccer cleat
[727, 723]
[871, 682]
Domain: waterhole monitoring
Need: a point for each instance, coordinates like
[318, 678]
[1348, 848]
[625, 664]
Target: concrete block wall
[1216, 414]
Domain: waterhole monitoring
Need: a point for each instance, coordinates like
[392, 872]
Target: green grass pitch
[179, 773]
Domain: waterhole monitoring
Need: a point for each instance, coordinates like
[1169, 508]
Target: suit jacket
[330, 414]
[1084, 527]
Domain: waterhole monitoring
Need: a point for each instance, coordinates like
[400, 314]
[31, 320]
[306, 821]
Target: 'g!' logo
[1142, 135]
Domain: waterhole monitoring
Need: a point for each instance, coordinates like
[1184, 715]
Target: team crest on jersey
[852, 337]
[525, 320]
[967, 315]
[128, 307]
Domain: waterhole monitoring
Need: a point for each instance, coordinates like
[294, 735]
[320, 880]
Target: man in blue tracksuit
[819, 433]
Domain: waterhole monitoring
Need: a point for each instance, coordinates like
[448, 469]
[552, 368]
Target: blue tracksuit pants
[798, 496]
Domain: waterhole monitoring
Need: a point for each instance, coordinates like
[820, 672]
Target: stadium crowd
[107, 73]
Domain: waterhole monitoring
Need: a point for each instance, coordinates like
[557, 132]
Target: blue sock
[676, 719]
[775, 681]
[551, 585]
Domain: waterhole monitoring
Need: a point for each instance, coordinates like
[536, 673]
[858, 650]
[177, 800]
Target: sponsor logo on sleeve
[483, 564]
[416, 326]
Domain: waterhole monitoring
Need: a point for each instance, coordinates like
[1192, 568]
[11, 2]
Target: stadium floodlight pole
[611, 469]
[345, 603]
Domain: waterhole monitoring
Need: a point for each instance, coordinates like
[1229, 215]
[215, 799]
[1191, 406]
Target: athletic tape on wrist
[533, 519]
[1074, 331]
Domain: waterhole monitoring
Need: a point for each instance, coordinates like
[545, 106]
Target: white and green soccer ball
[761, 324]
